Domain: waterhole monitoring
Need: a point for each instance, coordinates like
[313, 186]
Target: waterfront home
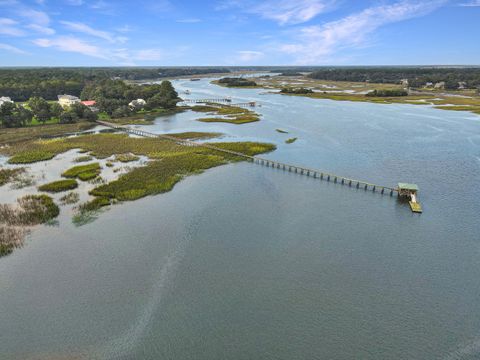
[440, 85]
[429, 85]
[137, 104]
[5, 99]
[67, 100]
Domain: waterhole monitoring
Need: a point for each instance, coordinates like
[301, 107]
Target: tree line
[21, 84]
[417, 76]
[112, 98]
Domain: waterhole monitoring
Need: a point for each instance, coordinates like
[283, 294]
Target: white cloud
[284, 12]
[71, 44]
[9, 27]
[85, 29]
[246, 56]
[41, 29]
[291, 11]
[12, 49]
[317, 43]
[34, 16]
[473, 3]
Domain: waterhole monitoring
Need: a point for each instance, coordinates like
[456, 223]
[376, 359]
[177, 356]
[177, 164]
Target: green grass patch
[83, 172]
[29, 157]
[291, 140]
[59, 186]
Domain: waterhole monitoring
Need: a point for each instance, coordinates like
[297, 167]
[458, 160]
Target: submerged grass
[291, 140]
[70, 198]
[8, 175]
[84, 158]
[59, 186]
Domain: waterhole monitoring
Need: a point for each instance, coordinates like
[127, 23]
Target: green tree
[40, 108]
[12, 115]
[68, 117]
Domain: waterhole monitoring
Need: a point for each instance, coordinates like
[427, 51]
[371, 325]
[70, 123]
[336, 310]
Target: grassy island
[227, 114]
[169, 162]
[59, 186]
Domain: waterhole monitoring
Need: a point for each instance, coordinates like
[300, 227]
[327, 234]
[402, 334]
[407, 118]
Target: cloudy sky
[238, 32]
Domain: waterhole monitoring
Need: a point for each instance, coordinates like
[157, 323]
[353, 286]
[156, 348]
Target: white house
[5, 99]
[440, 85]
[137, 104]
[67, 100]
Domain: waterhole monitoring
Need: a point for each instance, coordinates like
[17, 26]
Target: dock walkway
[316, 174]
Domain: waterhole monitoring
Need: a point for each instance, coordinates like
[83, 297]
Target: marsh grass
[59, 186]
[169, 162]
[281, 131]
[30, 157]
[8, 175]
[84, 158]
[83, 172]
[291, 140]
[15, 219]
[125, 158]
[70, 198]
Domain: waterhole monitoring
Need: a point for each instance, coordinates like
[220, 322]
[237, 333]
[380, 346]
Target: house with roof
[137, 104]
[5, 99]
[67, 100]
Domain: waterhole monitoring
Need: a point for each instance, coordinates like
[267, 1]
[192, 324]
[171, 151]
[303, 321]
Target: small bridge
[316, 174]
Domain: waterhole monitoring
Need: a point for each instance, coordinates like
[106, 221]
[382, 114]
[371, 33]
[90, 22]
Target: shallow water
[247, 262]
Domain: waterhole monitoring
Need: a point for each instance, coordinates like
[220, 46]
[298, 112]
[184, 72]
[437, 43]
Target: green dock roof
[407, 186]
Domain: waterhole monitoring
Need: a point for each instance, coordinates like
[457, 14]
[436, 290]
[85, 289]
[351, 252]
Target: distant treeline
[228, 81]
[387, 93]
[417, 77]
[22, 84]
[298, 91]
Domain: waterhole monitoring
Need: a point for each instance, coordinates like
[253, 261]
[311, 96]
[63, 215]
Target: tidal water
[248, 262]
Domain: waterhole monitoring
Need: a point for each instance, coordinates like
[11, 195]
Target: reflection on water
[247, 262]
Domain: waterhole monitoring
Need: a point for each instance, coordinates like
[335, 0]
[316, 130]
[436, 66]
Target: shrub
[59, 186]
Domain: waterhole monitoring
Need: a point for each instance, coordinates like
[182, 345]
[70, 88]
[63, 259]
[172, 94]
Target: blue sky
[238, 32]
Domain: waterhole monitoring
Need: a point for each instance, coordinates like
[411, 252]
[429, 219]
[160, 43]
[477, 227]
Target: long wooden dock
[204, 101]
[316, 174]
